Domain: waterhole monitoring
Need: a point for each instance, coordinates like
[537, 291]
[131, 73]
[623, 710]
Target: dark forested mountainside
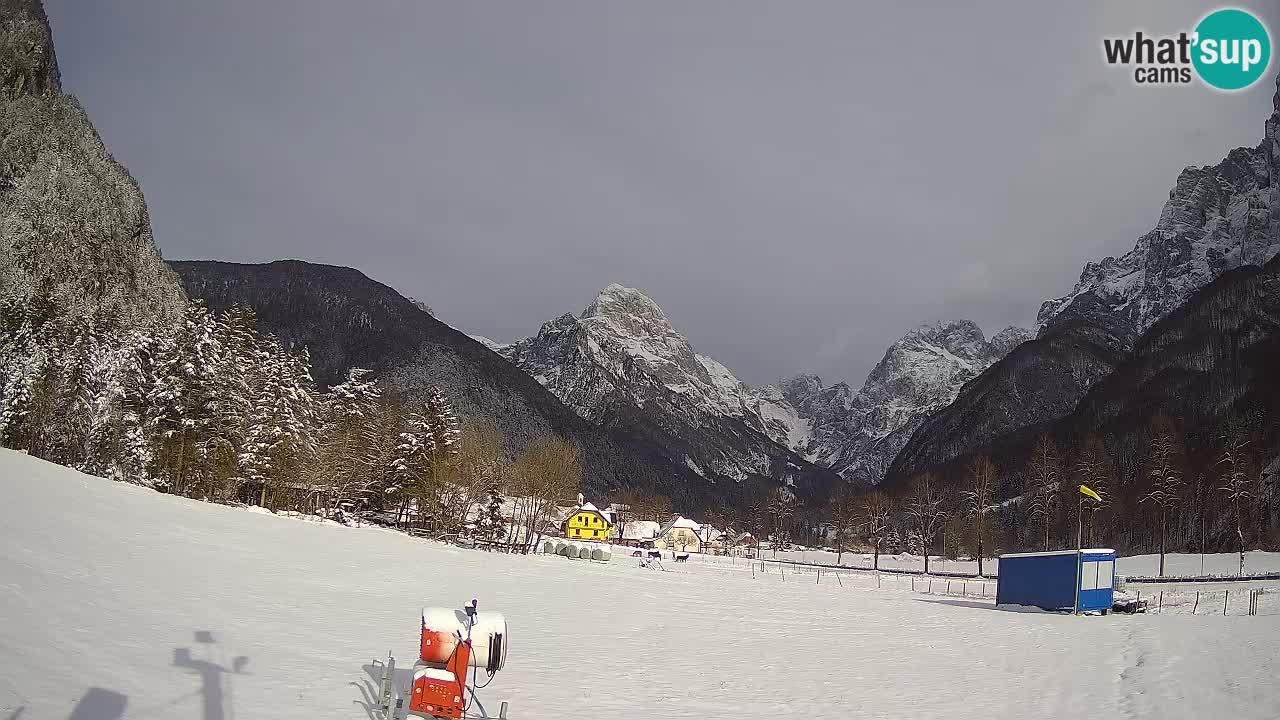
[1205, 376]
[345, 320]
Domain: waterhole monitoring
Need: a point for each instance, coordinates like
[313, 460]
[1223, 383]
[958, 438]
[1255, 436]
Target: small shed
[1048, 579]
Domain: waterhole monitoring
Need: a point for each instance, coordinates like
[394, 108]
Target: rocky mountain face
[621, 362]
[73, 223]
[1217, 218]
[857, 434]
[345, 320]
[623, 350]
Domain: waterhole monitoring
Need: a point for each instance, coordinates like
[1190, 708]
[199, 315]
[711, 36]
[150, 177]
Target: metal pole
[1202, 546]
[1079, 555]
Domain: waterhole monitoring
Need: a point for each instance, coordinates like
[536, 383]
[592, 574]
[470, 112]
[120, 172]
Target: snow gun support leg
[386, 691]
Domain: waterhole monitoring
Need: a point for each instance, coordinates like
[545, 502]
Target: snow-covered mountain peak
[949, 337]
[859, 433]
[622, 351]
[629, 309]
[1010, 338]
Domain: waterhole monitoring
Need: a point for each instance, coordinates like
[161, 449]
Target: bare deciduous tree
[546, 473]
[845, 519]
[1235, 464]
[1093, 468]
[873, 512]
[1041, 491]
[780, 507]
[927, 510]
[1164, 476]
[976, 497]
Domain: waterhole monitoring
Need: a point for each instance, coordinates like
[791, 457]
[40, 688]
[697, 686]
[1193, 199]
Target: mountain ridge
[1217, 219]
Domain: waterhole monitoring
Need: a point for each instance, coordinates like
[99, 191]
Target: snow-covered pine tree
[230, 406]
[280, 438]
[493, 526]
[412, 462]
[346, 411]
[185, 395]
[442, 424]
[30, 384]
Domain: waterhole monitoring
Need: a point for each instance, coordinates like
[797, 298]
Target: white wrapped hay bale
[584, 552]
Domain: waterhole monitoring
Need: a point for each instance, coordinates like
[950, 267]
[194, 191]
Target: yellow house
[587, 523]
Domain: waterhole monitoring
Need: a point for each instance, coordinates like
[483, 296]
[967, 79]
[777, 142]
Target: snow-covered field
[117, 602]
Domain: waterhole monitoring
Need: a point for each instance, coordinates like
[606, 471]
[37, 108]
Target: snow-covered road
[117, 602]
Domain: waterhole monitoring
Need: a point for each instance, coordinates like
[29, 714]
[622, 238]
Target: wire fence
[1224, 603]
[1230, 602]
[854, 578]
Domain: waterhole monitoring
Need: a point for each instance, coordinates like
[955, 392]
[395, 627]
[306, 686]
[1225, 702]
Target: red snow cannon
[453, 641]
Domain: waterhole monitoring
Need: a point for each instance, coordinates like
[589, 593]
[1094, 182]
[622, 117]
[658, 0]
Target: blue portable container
[1048, 579]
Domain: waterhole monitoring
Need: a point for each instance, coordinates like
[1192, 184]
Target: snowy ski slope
[118, 602]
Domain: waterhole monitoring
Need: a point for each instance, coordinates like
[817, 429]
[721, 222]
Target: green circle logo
[1232, 49]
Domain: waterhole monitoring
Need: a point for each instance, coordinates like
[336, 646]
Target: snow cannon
[452, 643]
[445, 630]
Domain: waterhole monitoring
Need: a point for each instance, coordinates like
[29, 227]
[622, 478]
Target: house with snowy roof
[587, 522]
[679, 534]
[637, 533]
[710, 538]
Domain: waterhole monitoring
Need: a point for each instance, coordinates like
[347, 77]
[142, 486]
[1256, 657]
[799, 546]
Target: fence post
[1193, 607]
[877, 581]
[1225, 595]
[964, 588]
[1160, 604]
[913, 583]
[819, 580]
[930, 586]
[948, 587]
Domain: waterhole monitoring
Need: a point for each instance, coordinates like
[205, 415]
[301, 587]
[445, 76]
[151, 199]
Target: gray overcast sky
[796, 183]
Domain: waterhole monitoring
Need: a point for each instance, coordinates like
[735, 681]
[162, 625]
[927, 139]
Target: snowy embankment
[118, 602]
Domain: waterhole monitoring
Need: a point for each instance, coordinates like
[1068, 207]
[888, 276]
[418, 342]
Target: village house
[587, 522]
[680, 534]
[637, 533]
